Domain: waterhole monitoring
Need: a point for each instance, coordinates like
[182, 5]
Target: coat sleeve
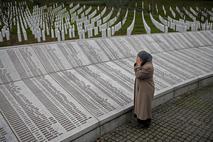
[142, 73]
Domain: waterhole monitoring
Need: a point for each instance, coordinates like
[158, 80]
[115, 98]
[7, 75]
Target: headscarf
[145, 57]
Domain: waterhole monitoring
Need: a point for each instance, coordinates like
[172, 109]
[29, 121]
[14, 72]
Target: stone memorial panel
[63, 90]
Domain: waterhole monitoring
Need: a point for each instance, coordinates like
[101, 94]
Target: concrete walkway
[186, 118]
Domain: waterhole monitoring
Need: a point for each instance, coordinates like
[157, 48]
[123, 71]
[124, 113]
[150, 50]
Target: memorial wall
[61, 90]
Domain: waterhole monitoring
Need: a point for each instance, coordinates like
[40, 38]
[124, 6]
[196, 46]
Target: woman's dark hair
[145, 57]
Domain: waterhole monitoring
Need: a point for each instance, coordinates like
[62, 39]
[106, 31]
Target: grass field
[123, 4]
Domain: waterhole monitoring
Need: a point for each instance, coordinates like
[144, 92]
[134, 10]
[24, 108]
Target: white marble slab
[49, 107]
[6, 132]
[7, 67]
[73, 87]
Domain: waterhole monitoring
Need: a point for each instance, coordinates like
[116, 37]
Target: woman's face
[138, 61]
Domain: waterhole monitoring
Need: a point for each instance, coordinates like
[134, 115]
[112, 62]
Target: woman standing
[143, 89]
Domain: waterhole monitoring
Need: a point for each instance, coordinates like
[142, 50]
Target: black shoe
[141, 126]
[148, 122]
[140, 121]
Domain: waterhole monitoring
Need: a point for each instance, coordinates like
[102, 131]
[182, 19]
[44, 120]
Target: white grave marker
[96, 31]
[52, 33]
[113, 30]
[109, 32]
[43, 35]
[83, 34]
[19, 36]
[62, 35]
[1, 38]
[90, 32]
[7, 34]
[58, 35]
[103, 33]
[73, 31]
[70, 32]
[38, 35]
[25, 35]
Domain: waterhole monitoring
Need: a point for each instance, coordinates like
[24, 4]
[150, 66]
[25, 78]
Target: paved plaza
[188, 118]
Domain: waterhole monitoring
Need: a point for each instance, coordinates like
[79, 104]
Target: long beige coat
[143, 91]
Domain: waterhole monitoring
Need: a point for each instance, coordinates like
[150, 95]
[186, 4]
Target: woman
[143, 89]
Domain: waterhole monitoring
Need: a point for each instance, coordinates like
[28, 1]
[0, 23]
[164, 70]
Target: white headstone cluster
[4, 34]
[210, 13]
[7, 21]
[119, 25]
[164, 10]
[94, 23]
[179, 12]
[107, 17]
[88, 10]
[211, 18]
[172, 11]
[193, 11]
[92, 14]
[158, 25]
[150, 7]
[53, 21]
[189, 14]
[193, 25]
[142, 5]
[182, 25]
[206, 26]
[162, 20]
[60, 23]
[103, 11]
[125, 17]
[131, 27]
[147, 28]
[156, 7]
[177, 25]
[72, 10]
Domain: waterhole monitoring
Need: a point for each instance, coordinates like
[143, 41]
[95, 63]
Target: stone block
[115, 122]
[205, 80]
[186, 86]
[163, 96]
[90, 136]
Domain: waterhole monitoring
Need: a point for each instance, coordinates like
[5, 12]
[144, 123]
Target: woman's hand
[138, 61]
